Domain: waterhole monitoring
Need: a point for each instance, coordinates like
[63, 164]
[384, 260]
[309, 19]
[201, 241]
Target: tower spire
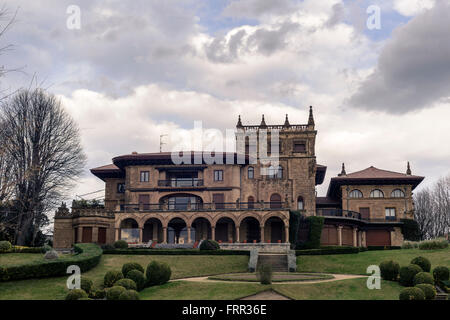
[343, 172]
[408, 170]
[286, 122]
[239, 123]
[263, 123]
[311, 117]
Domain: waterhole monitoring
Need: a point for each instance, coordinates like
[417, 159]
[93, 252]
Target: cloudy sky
[138, 69]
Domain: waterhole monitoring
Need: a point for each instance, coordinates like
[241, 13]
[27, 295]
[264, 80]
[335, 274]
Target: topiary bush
[127, 267]
[126, 283]
[407, 273]
[138, 277]
[428, 290]
[111, 277]
[389, 270]
[441, 273]
[423, 277]
[114, 292]
[98, 294]
[157, 273]
[422, 262]
[412, 293]
[76, 294]
[86, 285]
[265, 274]
[108, 247]
[129, 295]
[120, 244]
[209, 245]
[5, 246]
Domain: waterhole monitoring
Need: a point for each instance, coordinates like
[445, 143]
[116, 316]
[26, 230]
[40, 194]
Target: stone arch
[177, 232]
[152, 229]
[125, 216]
[274, 229]
[200, 215]
[248, 215]
[181, 216]
[250, 229]
[277, 215]
[129, 230]
[225, 215]
[201, 228]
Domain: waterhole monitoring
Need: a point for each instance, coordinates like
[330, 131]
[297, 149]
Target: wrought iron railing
[339, 213]
[182, 182]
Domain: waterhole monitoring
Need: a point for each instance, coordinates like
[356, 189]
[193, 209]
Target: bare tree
[43, 144]
[432, 209]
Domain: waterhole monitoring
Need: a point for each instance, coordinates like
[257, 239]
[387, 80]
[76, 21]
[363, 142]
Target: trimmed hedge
[408, 273]
[428, 290]
[76, 294]
[423, 277]
[120, 244]
[86, 285]
[5, 246]
[410, 230]
[127, 284]
[114, 292]
[412, 293]
[209, 245]
[327, 250]
[315, 232]
[422, 262]
[157, 273]
[138, 277]
[112, 277]
[129, 295]
[373, 248]
[389, 270]
[441, 273]
[178, 252]
[433, 244]
[127, 267]
[87, 257]
[294, 225]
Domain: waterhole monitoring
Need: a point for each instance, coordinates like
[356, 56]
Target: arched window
[355, 194]
[251, 202]
[300, 203]
[397, 193]
[280, 172]
[251, 172]
[377, 194]
[275, 201]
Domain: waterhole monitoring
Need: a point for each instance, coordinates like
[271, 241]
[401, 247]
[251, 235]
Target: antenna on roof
[161, 143]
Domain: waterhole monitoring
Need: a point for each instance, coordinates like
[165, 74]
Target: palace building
[150, 200]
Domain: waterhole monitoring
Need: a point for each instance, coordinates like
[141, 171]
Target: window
[275, 173]
[390, 213]
[355, 194]
[275, 201]
[145, 175]
[299, 147]
[251, 172]
[300, 204]
[377, 194]
[397, 193]
[121, 188]
[218, 175]
[251, 202]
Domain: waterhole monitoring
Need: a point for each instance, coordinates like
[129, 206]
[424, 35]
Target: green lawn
[182, 266]
[19, 258]
[358, 263]
[353, 289]
[187, 290]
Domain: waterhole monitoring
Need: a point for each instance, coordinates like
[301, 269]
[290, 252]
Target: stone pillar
[155, 232]
[189, 235]
[164, 234]
[95, 234]
[80, 234]
[213, 232]
[359, 239]
[117, 233]
[363, 239]
[355, 240]
[141, 235]
[286, 232]
[237, 235]
[262, 229]
[340, 235]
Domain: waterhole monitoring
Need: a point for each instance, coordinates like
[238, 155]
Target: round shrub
[428, 290]
[389, 270]
[46, 248]
[423, 277]
[86, 285]
[157, 273]
[209, 245]
[126, 283]
[412, 293]
[265, 274]
[127, 267]
[120, 244]
[76, 294]
[422, 262]
[129, 295]
[98, 294]
[111, 277]
[138, 277]
[441, 273]
[407, 274]
[114, 292]
[108, 247]
[5, 246]
[51, 255]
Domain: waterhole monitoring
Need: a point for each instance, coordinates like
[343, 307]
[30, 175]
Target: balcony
[181, 183]
[339, 213]
[223, 206]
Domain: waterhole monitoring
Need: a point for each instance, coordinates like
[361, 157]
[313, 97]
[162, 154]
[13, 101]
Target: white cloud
[413, 7]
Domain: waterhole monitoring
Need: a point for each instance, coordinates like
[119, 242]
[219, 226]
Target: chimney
[408, 169]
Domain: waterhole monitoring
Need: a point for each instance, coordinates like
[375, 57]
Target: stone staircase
[279, 262]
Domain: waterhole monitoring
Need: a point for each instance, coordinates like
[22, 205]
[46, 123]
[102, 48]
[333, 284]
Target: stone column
[80, 234]
[213, 232]
[155, 232]
[189, 235]
[95, 234]
[286, 232]
[237, 235]
[359, 239]
[117, 233]
[340, 235]
[262, 234]
[164, 234]
[141, 235]
[355, 240]
[363, 239]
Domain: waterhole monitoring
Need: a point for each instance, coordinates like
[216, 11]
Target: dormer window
[377, 194]
[145, 176]
[355, 194]
[397, 193]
